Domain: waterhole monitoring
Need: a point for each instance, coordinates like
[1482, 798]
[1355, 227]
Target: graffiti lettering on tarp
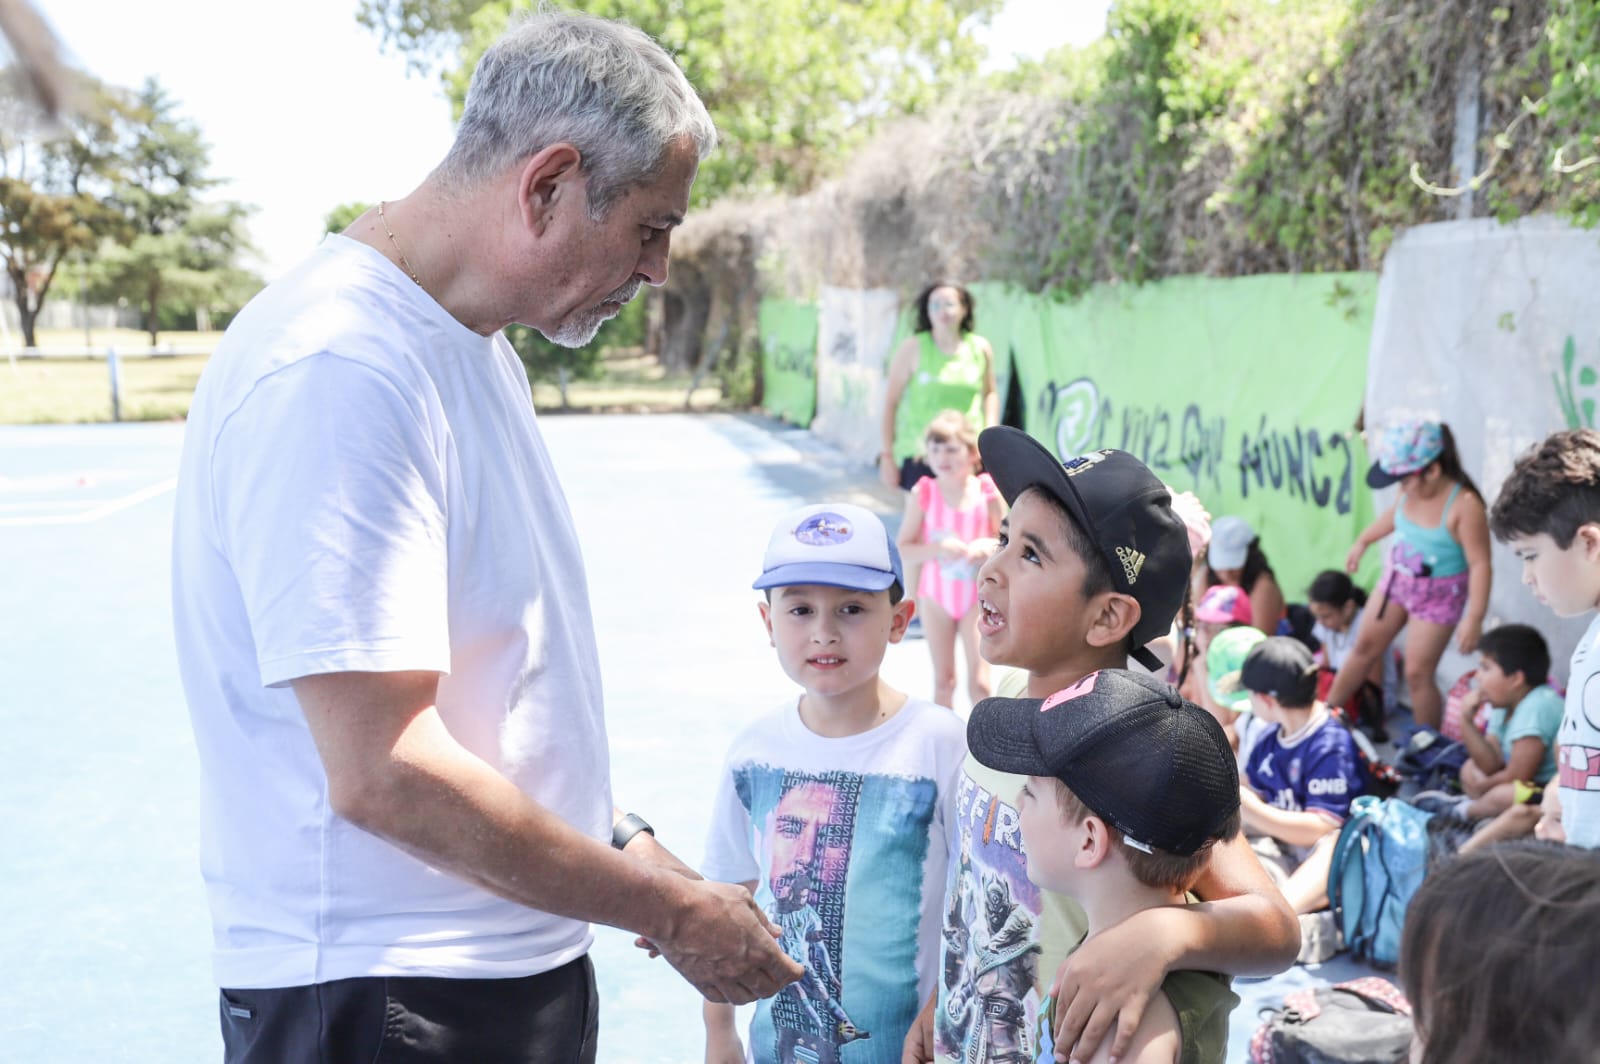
[798, 359]
[1576, 391]
[1075, 409]
[1200, 446]
[1163, 439]
[1298, 462]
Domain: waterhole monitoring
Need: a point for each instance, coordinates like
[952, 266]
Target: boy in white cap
[832, 810]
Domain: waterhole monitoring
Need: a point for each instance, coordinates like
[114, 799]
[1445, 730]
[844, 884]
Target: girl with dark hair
[1437, 575]
[1496, 954]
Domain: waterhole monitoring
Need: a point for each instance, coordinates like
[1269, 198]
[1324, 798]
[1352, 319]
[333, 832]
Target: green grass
[75, 390]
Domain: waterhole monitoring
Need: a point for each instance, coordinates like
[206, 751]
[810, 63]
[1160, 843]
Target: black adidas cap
[1123, 508]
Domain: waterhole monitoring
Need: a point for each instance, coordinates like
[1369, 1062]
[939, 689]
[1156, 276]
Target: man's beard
[581, 327]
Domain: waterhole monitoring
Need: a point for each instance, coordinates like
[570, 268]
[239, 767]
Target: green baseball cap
[1224, 659]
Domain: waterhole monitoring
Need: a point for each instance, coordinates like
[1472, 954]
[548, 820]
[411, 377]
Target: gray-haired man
[382, 621]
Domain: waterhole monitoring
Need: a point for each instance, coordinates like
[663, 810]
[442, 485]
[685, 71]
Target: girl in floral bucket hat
[1437, 573]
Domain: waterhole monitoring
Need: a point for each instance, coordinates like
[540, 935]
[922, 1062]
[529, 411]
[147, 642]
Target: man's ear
[1115, 615]
[765, 608]
[548, 176]
[900, 619]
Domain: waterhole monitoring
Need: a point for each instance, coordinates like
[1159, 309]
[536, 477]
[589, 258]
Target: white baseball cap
[1230, 542]
[834, 544]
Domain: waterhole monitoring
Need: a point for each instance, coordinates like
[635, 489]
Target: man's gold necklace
[403, 260]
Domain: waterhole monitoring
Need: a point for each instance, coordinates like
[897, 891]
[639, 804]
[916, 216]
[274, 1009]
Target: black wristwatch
[625, 829]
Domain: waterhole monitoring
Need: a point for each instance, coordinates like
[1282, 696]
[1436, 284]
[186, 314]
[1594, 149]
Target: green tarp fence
[789, 359]
[1244, 390]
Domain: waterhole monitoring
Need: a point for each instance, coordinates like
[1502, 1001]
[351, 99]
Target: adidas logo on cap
[1132, 562]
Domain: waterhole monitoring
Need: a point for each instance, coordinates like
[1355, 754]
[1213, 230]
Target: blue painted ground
[105, 935]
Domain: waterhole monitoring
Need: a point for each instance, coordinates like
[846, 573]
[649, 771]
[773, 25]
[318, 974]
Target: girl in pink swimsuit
[951, 521]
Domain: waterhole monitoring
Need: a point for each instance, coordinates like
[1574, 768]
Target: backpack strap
[1377, 992]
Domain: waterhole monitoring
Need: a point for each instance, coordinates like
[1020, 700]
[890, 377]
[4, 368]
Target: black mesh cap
[1154, 766]
[1120, 505]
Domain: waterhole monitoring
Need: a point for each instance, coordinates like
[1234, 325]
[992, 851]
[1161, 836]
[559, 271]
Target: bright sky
[303, 113]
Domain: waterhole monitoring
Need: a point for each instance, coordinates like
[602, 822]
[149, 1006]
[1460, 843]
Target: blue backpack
[1378, 864]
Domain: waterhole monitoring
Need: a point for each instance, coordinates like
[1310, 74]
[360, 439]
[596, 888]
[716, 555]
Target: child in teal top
[1519, 743]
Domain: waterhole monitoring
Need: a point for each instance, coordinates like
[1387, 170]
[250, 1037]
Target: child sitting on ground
[1302, 774]
[832, 810]
[1236, 559]
[1519, 744]
[1129, 788]
[949, 530]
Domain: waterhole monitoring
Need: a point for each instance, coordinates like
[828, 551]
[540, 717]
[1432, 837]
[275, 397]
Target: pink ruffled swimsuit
[953, 585]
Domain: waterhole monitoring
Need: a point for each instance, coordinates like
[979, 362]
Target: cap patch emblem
[1067, 694]
[824, 530]
[1074, 466]
[1132, 561]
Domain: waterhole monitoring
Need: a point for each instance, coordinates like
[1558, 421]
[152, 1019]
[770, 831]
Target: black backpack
[1363, 1021]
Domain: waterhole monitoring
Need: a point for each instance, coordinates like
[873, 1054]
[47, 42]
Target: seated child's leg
[1492, 802]
[1307, 889]
[1515, 823]
[1472, 781]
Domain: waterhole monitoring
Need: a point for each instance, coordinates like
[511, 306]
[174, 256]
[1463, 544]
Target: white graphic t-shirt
[846, 841]
[1579, 769]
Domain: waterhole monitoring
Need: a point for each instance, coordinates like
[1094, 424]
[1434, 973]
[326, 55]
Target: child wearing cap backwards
[832, 809]
[1129, 787]
[1437, 575]
[1548, 511]
[1092, 565]
[1301, 775]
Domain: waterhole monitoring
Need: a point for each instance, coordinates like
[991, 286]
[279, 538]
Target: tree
[51, 185]
[179, 247]
[791, 84]
[339, 219]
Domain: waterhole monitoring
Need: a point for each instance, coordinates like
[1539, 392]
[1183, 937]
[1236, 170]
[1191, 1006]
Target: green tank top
[940, 382]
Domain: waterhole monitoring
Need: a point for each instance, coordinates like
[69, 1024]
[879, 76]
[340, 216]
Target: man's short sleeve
[329, 504]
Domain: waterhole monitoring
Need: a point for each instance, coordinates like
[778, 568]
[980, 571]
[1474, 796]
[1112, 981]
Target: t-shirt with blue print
[1316, 770]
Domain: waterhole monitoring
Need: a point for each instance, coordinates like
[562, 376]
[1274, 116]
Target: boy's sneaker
[1319, 937]
[1443, 803]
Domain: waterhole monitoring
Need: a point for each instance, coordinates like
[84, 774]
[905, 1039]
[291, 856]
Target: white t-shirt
[851, 833]
[1337, 645]
[364, 488]
[1578, 769]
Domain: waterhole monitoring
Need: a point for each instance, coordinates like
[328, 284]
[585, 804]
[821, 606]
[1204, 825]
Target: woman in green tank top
[943, 365]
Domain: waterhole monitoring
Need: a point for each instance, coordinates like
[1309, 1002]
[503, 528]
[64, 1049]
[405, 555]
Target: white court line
[103, 510]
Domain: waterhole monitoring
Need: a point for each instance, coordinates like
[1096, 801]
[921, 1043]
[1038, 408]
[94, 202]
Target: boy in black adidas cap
[1129, 789]
[1092, 565]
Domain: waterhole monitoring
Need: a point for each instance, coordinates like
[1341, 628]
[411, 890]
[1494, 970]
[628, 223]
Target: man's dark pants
[550, 1018]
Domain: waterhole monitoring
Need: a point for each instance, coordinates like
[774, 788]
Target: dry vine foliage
[1221, 137]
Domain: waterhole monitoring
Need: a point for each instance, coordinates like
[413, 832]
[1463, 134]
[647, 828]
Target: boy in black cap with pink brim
[1093, 564]
[1129, 787]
